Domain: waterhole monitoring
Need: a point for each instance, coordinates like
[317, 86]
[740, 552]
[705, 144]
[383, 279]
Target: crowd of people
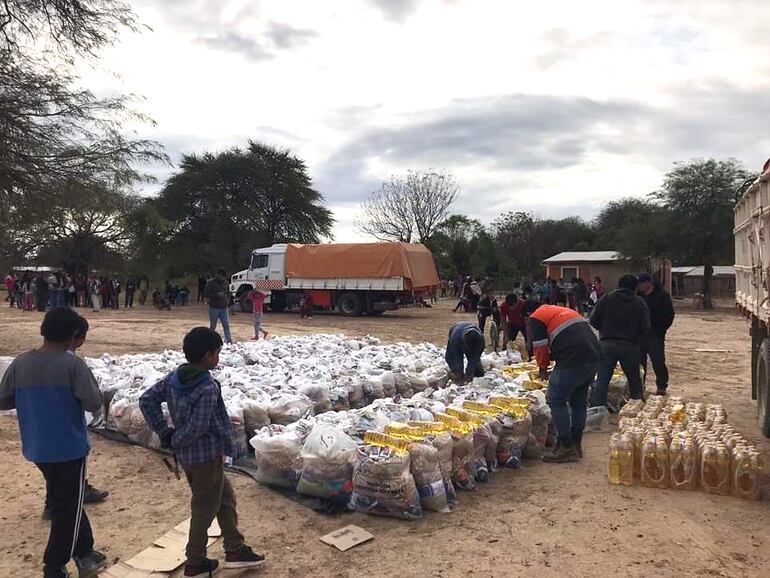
[631, 324]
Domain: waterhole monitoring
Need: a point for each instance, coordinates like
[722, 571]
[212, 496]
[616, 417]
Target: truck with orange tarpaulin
[352, 278]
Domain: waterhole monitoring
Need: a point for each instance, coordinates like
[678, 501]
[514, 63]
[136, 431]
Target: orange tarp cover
[361, 260]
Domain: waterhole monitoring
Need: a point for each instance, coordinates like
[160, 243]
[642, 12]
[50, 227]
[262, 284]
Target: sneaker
[562, 454]
[94, 496]
[243, 558]
[660, 391]
[90, 564]
[205, 569]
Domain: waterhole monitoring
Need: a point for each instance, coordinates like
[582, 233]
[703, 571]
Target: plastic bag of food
[318, 393]
[482, 436]
[513, 439]
[463, 475]
[277, 453]
[597, 419]
[383, 484]
[255, 415]
[328, 456]
[388, 384]
[287, 408]
[356, 394]
[338, 397]
[425, 468]
[541, 417]
[240, 440]
[373, 389]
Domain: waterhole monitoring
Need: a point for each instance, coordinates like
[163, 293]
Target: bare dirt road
[543, 520]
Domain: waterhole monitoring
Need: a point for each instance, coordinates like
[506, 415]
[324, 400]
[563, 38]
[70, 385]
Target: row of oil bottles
[666, 443]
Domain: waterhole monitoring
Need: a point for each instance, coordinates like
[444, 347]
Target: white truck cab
[266, 272]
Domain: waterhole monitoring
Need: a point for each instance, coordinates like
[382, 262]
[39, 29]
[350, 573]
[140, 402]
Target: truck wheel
[245, 305]
[277, 302]
[763, 387]
[350, 305]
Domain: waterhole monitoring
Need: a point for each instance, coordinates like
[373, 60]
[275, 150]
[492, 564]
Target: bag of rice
[328, 456]
[277, 453]
[425, 468]
[382, 482]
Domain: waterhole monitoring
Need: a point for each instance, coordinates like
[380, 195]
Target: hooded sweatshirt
[203, 429]
[621, 316]
[661, 310]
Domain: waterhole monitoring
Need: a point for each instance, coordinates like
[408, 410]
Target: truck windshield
[258, 261]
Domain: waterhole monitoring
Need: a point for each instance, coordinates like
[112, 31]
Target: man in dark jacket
[623, 322]
[661, 318]
[217, 295]
[465, 341]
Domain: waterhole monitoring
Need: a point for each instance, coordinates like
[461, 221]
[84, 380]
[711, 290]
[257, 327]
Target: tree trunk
[708, 271]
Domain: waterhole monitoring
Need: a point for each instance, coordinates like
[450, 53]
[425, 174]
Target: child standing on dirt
[200, 438]
[50, 389]
[257, 299]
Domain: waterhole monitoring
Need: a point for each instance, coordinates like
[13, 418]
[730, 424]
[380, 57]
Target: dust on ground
[543, 520]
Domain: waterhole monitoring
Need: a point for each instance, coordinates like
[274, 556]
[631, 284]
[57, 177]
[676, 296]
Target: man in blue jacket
[466, 340]
[50, 390]
[201, 437]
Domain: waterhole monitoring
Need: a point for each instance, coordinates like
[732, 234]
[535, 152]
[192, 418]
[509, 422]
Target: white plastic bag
[597, 419]
[277, 453]
[328, 456]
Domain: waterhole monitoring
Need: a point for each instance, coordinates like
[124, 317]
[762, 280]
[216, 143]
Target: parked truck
[752, 285]
[352, 278]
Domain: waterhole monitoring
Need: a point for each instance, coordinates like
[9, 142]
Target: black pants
[70, 535]
[614, 352]
[129, 299]
[654, 347]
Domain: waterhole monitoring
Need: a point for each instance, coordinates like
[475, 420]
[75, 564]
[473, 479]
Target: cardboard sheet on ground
[167, 552]
[123, 570]
[347, 537]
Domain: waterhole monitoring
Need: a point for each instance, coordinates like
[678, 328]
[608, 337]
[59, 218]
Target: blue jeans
[628, 355]
[567, 397]
[220, 315]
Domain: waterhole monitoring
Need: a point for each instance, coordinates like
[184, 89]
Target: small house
[609, 266]
[687, 281]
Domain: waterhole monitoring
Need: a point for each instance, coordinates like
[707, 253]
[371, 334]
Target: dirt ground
[543, 520]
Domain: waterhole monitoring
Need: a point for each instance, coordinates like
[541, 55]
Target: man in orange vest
[564, 335]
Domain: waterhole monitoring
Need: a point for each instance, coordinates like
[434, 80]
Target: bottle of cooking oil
[614, 468]
[655, 462]
[746, 471]
[626, 450]
[715, 468]
[683, 460]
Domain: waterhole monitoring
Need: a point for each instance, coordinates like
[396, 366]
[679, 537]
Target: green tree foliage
[635, 228]
[219, 207]
[699, 197]
[463, 246]
[59, 140]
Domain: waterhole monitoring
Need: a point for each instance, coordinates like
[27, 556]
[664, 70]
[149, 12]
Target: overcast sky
[553, 107]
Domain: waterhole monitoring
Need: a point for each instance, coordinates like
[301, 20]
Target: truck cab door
[277, 267]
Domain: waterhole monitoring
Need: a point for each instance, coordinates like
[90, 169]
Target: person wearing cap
[623, 322]
[466, 341]
[562, 334]
[661, 318]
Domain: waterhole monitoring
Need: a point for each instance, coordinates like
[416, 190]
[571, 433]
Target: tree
[55, 134]
[526, 241]
[632, 227]
[700, 196]
[225, 205]
[409, 208]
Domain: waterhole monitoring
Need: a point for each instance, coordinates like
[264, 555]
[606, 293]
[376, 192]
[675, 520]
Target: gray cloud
[396, 10]
[523, 135]
[249, 47]
[285, 36]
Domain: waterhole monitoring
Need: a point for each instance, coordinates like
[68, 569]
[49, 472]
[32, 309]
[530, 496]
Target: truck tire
[763, 387]
[350, 304]
[244, 303]
[277, 302]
